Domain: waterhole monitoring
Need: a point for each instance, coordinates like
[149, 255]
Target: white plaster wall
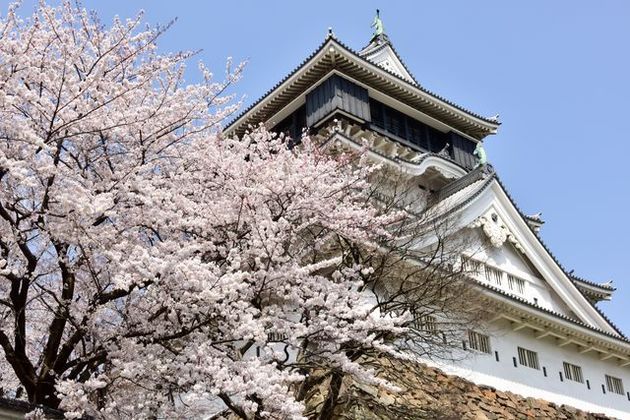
[508, 259]
[387, 60]
[483, 369]
[10, 414]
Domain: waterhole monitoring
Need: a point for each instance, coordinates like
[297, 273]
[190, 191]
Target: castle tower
[548, 339]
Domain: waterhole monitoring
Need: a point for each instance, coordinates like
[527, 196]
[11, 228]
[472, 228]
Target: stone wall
[428, 393]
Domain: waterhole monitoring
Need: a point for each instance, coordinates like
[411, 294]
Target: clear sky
[557, 72]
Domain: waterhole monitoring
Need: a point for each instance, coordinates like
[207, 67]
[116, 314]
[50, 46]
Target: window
[376, 111]
[401, 125]
[528, 358]
[293, 125]
[493, 275]
[395, 122]
[573, 372]
[515, 284]
[275, 336]
[473, 267]
[425, 323]
[418, 134]
[479, 342]
[614, 385]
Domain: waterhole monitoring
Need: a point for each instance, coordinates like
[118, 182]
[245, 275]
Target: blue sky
[557, 72]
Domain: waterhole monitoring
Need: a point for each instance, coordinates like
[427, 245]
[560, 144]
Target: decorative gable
[506, 267]
[496, 231]
[381, 52]
[509, 227]
[484, 205]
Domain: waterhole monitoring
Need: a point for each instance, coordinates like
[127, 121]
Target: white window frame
[479, 342]
[573, 372]
[425, 323]
[614, 385]
[276, 337]
[474, 267]
[528, 358]
[493, 275]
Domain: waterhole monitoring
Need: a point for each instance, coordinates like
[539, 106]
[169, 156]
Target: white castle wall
[483, 368]
[509, 260]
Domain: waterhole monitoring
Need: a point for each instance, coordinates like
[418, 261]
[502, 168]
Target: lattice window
[493, 275]
[573, 372]
[515, 284]
[614, 385]
[275, 336]
[528, 358]
[479, 342]
[425, 323]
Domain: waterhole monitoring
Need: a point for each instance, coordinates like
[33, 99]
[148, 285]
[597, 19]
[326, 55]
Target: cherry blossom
[150, 266]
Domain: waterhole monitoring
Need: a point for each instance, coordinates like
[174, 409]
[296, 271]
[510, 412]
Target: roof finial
[330, 34]
[494, 118]
[480, 153]
[377, 25]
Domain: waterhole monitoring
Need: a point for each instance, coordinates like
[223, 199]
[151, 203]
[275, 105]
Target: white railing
[495, 276]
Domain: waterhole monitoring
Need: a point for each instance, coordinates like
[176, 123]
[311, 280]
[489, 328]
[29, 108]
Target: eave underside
[549, 325]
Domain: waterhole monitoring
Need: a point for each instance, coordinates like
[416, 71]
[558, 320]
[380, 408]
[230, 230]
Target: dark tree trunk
[328, 408]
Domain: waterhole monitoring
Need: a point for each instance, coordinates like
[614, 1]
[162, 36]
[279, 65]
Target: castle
[547, 338]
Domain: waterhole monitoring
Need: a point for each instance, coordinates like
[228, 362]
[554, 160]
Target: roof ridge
[419, 86]
[412, 84]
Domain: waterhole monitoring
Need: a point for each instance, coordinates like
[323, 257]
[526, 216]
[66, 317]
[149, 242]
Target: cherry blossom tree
[147, 265]
[429, 284]
[150, 267]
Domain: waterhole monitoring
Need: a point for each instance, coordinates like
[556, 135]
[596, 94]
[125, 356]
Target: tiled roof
[423, 89]
[519, 299]
[453, 187]
[558, 262]
[284, 79]
[608, 287]
[459, 198]
[320, 47]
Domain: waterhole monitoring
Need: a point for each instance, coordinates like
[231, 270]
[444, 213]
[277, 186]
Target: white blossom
[146, 262]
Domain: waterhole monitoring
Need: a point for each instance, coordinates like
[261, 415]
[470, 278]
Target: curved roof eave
[428, 160]
[498, 292]
[485, 125]
[602, 288]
